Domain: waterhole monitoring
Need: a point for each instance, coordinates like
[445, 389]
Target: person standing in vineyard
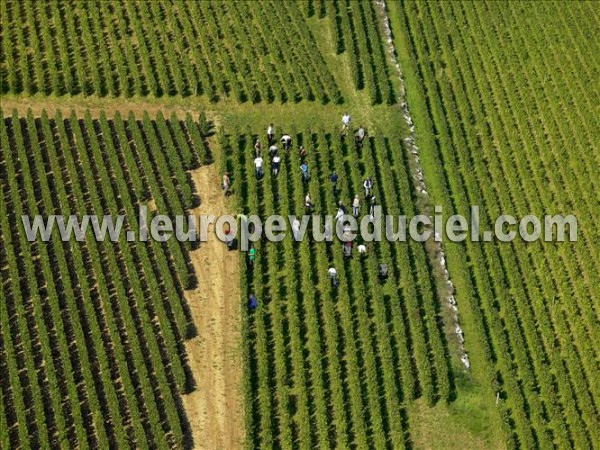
[252, 302]
[226, 184]
[273, 150]
[270, 134]
[296, 229]
[347, 249]
[362, 250]
[302, 153]
[251, 257]
[308, 204]
[368, 185]
[360, 136]
[229, 239]
[327, 231]
[333, 276]
[286, 141]
[345, 124]
[258, 163]
[257, 148]
[383, 272]
[304, 171]
[333, 178]
[355, 206]
[372, 205]
[275, 164]
[341, 211]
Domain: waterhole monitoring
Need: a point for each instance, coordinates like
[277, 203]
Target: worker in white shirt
[275, 164]
[333, 276]
[308, 204]
[345, 123]
[286, 141]
[296, 229]
[368, 185]
[360, 136]
[362, 250]
[270, 134]
[258, 163]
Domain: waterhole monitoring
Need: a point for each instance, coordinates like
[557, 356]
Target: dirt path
[215, 408]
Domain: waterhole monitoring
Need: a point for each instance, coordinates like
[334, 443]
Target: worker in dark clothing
[333, 178]
[229, 239]
[347, 249]
[252, 302]
[372, 205]
[251, 257]
[383, 272]
[302, 152]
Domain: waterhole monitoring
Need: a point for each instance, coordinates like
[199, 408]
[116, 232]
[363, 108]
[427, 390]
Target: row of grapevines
[356, 29]
[573, 265]
[519, 337]
[553, 286]
[30, 206]
[568, 397]
[358, 351]
[93, 331]
[163, 48]
[473, 289]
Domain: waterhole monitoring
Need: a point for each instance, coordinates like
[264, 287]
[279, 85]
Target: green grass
[463, 424]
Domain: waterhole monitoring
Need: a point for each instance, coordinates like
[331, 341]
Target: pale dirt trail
[215, 408]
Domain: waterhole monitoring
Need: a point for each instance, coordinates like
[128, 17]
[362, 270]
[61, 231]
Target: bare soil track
[215, 408]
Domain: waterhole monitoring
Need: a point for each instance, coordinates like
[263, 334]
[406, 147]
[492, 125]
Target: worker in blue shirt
[252, 302]
[304, 171]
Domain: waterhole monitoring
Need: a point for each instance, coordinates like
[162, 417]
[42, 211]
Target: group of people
[286, 143]
[355, 202]
[360, 134]
[382, 274]
[369, 198]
